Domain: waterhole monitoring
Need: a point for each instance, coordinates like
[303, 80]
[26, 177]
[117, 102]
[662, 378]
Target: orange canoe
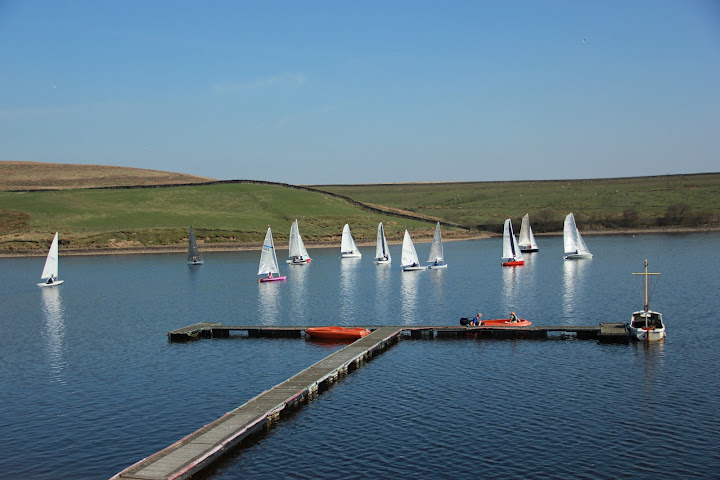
[505, 322]
[337, 333]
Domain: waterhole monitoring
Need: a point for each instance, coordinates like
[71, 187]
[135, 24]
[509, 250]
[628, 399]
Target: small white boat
[50, 271]
[409, 260]
[437, 254]
[297, 250]
[574, 245]
[382, 252]
[526, 241]
[511, 256]
[646, 325]
[194, 257]
[348, 247]
[268, 261]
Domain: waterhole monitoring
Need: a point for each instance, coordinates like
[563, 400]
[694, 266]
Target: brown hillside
[56, 176]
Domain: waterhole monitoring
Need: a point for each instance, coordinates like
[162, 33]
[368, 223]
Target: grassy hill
[222, 214]
[55, 176]
[637, 202]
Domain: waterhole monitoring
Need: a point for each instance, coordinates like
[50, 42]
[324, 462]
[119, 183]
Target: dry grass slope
[61, 176]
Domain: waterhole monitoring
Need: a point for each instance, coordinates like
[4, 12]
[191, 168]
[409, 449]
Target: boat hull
[382, 262]
[528, 249]
[350, 255]
[513, 264]
[273, 279]
[444, 265]
[337, 333]
[575, 256]
[652, 334]
[409, 268]
[55, 283]
[294, 262]
[646, 326]
[196, 263]
[505, 322]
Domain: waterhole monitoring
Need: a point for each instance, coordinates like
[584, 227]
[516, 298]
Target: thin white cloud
[297, 79]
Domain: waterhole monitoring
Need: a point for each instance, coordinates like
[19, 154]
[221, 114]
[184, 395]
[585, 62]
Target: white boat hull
[410, 268]
[443, 265]
[643, 335]
[382, 262]
[45, 284]
[350, 255]
[528, 249]
[293, 262]
[574, 256]
[196, 263]
[646, 326]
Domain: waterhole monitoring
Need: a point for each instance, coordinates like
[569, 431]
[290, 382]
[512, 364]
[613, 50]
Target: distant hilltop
[61, 176]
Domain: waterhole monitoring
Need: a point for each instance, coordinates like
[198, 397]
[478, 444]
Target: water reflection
[382, 290]
[573, 277]
[348, 288]
[297, 277]
[54, 329]
[268, 302]
[408, 295]
[511, 278]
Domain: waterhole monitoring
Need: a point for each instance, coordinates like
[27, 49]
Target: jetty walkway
[199, 450]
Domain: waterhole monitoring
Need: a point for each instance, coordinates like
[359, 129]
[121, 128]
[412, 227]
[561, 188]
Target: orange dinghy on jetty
[337, 333]
[505, 322]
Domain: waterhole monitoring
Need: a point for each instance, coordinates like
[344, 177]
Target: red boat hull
[505, 322]
[273, 279]
[337, 333]
[513, 264]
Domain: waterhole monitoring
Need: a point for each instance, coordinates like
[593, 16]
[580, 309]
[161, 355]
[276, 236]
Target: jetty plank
[202, 447]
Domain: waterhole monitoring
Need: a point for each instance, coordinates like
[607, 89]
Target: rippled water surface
[89, 383]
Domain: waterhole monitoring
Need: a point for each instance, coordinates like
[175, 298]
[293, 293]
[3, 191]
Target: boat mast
[647, 303]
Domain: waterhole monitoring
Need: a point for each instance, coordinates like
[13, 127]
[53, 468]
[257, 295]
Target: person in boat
[476, 321]
[50, 280]
[270, 275]
[513, 318]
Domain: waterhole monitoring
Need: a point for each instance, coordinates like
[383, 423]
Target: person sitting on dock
[476, 321]
[513, 318]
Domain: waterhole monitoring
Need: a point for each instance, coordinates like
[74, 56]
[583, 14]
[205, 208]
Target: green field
[222, 213]
[638, 202]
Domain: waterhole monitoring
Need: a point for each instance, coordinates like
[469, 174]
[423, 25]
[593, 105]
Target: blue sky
[312, 92]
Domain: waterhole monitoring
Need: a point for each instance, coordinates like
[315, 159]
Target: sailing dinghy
[574, 245]
[194, 257]
[348, 247]
[268, 261]
[297, 251]
[50, 271]
[437, 255]
[527, 239]
[512, 256]
[646, 325]
[409, 260]
[382, 252]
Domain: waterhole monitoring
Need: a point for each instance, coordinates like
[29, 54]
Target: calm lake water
[89, 383]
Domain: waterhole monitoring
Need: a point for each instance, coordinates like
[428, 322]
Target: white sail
[573, 241]
[297, 246]
[409, 255]
[511, 251]
[437, 254]
[347, 244]
[382, 252]
[193, 252]
[268, 258]
[51, 262]
[527, 239]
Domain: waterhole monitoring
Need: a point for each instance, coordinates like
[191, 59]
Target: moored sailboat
[574, 244]
[297, 249]
[194, 257]
[437, 253]
[348, 247]
[512, 256]
[526, 241]
[50, 270]
[268, 261]
[646, 325]
[409, 260]
[382, 252]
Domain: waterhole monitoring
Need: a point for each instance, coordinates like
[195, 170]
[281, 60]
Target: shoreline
[241, 247]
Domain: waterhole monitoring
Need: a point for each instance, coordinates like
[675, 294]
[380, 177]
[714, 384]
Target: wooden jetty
[201, 448]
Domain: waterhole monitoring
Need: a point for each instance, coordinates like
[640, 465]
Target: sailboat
[348, 247]
[50, 271]
[646, 324]
[409, 260]
[382, 252]
[574, 245]
[194, 257]
[297, 251]
[268, 260]
[437, 256]
[512, 256]
[527, 239]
